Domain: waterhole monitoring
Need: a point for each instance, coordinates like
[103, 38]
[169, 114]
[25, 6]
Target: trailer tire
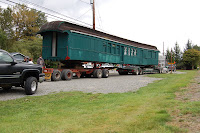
[97, 73]
[123, 72]
[56, 75]
[82, 75]
[136, 72]
[120, 72]
[105, 73]
[141, 72]
[66, 74]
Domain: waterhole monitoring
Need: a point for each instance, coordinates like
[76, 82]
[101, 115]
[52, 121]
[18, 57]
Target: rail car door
[122, 55]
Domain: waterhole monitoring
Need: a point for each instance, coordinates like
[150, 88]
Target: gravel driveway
[113, 84]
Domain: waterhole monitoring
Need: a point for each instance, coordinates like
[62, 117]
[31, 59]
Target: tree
[31, 48]
[27, 21]
[3, 40]
[6, 22]
[188, 45]
[191, 58]
[196, 47]
[168, 55]
[177, 53]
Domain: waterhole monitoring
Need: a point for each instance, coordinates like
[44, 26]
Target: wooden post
[93, 9]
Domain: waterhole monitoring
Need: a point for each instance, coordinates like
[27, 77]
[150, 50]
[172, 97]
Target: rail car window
[135, 52]
[125, 50]
[54, 45]
[150, 54]
[129, 51]
[105, 47]
[113, 49]
[155, 54]
[118, 49]
[132, 51]
[109, 47]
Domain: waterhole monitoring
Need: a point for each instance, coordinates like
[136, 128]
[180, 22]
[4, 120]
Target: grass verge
[143, 111]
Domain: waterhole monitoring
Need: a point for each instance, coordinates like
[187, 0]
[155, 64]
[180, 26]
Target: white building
[162, 61]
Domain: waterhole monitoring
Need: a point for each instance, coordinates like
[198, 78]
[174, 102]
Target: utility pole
[93, 10]
[163, 50]
[171, 60]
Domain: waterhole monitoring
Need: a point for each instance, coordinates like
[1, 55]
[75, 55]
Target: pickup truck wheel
[105, 73]
[56, 75]
[31, 85]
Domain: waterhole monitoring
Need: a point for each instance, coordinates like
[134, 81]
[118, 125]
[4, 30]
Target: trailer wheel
[56, 75]
[66, 74]
[123, 72]
[136, 72]
[97, 73]
[120, 72]
[141, 72]
[105, 73]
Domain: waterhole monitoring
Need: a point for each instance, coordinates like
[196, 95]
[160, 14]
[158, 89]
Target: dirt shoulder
[188, 121]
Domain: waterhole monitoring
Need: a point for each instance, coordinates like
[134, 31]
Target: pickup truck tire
[31, 85]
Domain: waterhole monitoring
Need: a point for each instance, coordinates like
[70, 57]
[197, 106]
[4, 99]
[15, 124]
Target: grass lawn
[146, 110]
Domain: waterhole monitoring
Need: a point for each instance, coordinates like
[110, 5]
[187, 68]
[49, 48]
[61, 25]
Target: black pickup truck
[17, 74]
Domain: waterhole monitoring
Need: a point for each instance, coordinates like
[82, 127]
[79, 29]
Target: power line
[30, 8]
[84, 2]
[84, 13]
[52, 11]
[99, 18]
[6, 3]
[31, 3]
[48, 14]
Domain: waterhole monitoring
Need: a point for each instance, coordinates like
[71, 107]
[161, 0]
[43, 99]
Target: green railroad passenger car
[64, 41]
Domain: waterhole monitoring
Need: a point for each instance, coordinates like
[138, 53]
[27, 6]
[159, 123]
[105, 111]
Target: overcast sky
[147, 21]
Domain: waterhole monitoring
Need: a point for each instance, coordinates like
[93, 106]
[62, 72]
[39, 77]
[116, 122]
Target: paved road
[113, 84]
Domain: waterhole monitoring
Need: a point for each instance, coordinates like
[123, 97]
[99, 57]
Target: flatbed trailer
[67, 74]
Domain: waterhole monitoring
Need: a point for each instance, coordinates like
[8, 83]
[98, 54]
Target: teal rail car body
[63, 41]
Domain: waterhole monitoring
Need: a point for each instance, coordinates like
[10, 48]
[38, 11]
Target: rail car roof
[62, 26]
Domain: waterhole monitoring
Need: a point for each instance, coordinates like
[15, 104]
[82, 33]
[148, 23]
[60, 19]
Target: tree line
[188, 59]
[18, 30]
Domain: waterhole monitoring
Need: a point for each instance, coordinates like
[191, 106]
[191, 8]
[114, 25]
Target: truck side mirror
[14, 62]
